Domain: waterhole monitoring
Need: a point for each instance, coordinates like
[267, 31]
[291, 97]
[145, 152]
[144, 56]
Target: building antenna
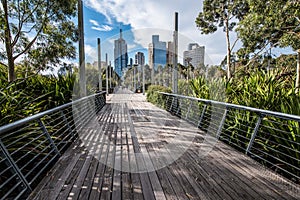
[120, 27]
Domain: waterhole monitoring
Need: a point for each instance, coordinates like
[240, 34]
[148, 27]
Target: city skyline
[101, 21]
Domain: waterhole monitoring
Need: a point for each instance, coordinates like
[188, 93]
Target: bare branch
[236, 40]
[1, 63]
[21, 22]
[29, 45]
[257, 54]
[37, 34]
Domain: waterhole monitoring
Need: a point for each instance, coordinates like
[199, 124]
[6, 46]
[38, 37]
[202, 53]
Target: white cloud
[97, 27]
[94, 22]
[90, 53]
[131, 47]
[102, 28]
[157, 17]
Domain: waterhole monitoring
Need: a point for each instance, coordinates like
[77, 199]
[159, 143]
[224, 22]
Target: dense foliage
[42, 31]
[28, 96]
[154, 97]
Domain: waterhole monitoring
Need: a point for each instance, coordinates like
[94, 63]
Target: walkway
[134, 150]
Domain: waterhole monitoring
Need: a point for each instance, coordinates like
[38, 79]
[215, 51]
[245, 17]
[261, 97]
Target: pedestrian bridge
[122, 147]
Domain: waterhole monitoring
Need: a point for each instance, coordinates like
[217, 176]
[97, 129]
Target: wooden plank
[116, 186]
[145, 181]
[106, 190]
[259, 177]
[126, 179]
[223, 174]
[176, 179]
[51, 185]
[103, 155]
[88, 182]
[136, 186]
[72, 180]
[181, 185]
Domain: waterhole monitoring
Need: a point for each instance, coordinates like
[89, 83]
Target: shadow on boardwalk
[134, 150]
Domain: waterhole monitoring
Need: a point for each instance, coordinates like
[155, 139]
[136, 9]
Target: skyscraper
[157, 52]
[120, 55]
[194, 55]
[139, 58]
[170, 53]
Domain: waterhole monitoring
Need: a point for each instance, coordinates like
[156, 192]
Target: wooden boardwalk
[134, 150]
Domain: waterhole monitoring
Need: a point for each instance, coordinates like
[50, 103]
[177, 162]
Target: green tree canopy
[271, 23]
[41, 30]
[221, 13]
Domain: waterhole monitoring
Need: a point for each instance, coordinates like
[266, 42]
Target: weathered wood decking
[130, 135]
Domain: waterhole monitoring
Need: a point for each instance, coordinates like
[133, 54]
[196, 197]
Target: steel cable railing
[271, 138]
[30, 147]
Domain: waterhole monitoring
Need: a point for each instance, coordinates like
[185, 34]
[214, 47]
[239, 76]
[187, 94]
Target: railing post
[178, 108]
[187, 113]
[48, 136]
[103, 100]
[222, 123]
[166, 103]
[171, 107]
[260, 116]
[14, 166]
[202, 115]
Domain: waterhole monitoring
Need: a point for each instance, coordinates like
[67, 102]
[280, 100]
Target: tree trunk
[8, 46]
[228, 49]
[297, 84]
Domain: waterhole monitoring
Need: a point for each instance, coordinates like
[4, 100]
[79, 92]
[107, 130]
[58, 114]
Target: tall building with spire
[120, 55]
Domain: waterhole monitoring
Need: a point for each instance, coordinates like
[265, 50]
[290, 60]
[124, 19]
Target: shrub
[154, 97]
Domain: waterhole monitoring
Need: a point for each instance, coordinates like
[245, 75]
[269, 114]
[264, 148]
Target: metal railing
[30, 147]
[272, 138]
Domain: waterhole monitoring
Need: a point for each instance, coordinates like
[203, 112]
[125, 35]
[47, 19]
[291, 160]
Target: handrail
[273, 141]
[240, 107]
[21, 122]
[30, 146]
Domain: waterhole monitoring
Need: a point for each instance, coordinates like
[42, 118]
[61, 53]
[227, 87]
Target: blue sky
[97, 26]
[140, 19]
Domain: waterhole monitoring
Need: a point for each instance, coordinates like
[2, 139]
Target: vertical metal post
[106, 61]
[143, 67]
[110, 74]
[178, 109]
[41, 124]
[99, 65]
[175, 57]
[134, 79]
[202, 115]
[186, 116]
[138, 76]
[171, 107]
[222, 123]
[14, 165]
[167, 99]
[82, 81]
[254, 133]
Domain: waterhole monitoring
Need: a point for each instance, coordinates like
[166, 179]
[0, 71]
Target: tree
[276, 24]
[222, 13]
[41, 30]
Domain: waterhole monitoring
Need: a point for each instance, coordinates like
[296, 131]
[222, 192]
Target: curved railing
[29, 147]
[272, 138]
